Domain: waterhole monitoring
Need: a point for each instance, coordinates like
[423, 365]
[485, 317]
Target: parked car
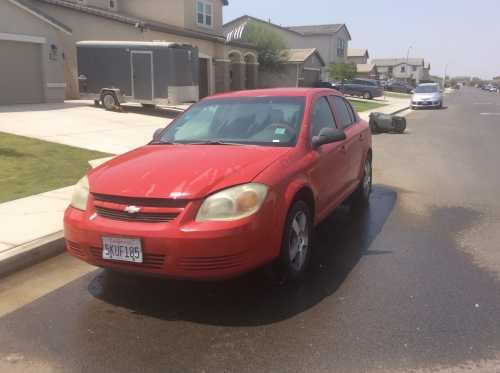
[427, 95]
[399, 87]
[365, 88]
[236, 182]
[323, 84]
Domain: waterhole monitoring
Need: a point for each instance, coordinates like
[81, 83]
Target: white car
[427, 95]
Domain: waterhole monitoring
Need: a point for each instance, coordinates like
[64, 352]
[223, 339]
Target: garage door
[20, 73]
[311, 77]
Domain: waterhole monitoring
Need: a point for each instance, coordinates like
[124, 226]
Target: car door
[348, 120]
[328, 173]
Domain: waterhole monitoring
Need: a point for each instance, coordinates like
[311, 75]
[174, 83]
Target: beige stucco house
[31, 55]
[358, 56]
[63, 23]
[302, 69]
[412, 70]
[331, 41]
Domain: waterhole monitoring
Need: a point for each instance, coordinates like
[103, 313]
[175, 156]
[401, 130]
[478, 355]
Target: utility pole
[444, 76]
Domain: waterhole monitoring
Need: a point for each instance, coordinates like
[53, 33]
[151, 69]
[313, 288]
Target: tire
[295, 253]
[373, 127]
[109, 101]
[360, 199]
[367, 96]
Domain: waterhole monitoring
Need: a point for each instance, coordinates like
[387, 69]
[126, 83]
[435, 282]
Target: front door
[142, 75]
[330, 162]
[203, 77]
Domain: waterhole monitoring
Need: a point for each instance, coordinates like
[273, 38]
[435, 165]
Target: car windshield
[267, 121]
[426, 89]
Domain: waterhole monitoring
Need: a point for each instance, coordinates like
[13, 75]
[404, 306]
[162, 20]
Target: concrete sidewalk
[31, 228]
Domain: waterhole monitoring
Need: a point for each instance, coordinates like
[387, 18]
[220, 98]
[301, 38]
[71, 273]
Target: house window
[204, 13]
[389, 70]
[403, 69]
[112, 4]
[414, 68]
[341, 47]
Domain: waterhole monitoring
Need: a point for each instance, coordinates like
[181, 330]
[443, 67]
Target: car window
[344, 117]
[426, 89]
[321, 117]
[352, 113]
[268, 121]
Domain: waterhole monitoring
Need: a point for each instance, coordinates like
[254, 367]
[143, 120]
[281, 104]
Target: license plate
[122, 249]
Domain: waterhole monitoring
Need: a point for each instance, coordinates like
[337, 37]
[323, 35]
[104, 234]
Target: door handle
[343, 149]
[361, 137]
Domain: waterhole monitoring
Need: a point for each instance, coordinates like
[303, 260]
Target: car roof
[274, 92]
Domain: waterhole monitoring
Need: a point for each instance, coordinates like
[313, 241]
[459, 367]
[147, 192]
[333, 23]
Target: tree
[342, 71]
[270, 46]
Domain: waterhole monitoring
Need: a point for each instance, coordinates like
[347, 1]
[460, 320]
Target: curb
[400, 110]
[31, 253]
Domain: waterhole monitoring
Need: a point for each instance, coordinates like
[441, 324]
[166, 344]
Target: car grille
[147, 217]
[150, 261]
[138, 201]
[211, 263]
[75, 249]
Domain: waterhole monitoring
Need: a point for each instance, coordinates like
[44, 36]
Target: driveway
[80, 124]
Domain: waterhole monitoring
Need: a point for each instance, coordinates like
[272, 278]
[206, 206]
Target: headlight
[233, 203]
[81, 194]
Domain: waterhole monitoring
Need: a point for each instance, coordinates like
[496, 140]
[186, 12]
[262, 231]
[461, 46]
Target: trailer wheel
[109, 101]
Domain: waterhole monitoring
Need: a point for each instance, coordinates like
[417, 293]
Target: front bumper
[426, 104]
[179, 249]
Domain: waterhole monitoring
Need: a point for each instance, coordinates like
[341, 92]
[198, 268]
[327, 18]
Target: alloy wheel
[298, 241]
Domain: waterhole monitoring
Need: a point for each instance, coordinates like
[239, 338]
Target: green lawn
[360, 106]
[29, 166]
[396, 94]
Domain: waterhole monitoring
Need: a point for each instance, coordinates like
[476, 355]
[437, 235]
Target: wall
[88, 27]
[167, 11]
[190, 16]
[357, 60]
[287, 77]
[14, 20]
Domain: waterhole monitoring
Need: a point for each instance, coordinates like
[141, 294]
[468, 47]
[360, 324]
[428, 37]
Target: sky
[462, 34]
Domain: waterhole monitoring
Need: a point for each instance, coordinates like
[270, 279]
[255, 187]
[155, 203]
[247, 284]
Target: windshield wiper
[163, 143]
[214, 142]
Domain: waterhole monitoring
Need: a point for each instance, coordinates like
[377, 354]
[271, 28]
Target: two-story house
[411, 70]
[57, 25]
[331, 41]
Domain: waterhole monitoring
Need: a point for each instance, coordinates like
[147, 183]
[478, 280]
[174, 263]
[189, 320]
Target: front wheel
[361, 196]
[109, 101]
[295, 251]
[367, 96]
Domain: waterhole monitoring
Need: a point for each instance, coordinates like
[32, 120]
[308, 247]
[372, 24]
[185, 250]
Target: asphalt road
[411, 285]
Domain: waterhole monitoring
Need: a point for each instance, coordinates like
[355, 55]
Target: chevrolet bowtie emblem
[132, 209]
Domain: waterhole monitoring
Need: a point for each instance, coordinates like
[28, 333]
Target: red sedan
[236, 182]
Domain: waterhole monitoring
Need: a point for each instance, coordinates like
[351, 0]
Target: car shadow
[340, 242]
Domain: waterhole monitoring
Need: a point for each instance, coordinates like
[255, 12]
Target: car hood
[426, 96]
[181, 171]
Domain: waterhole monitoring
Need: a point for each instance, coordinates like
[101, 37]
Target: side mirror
[157, 134]
[328, 136]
